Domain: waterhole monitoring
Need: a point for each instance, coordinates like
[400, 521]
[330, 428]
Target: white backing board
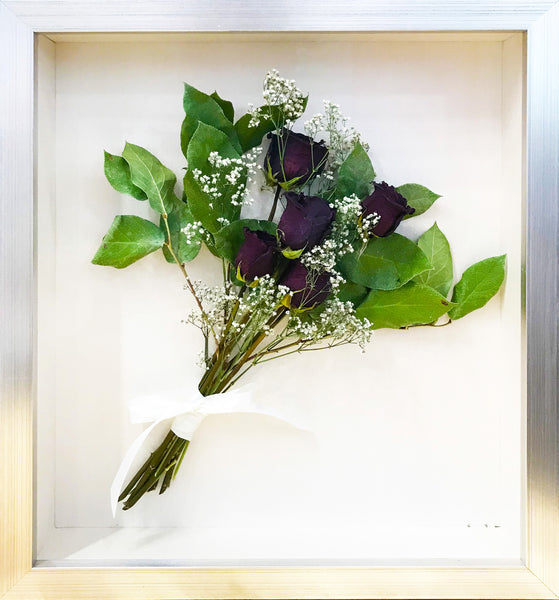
[417, 445]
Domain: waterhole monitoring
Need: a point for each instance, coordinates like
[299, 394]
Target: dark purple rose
[305, 221]
[302, 157]
[257, 255]
[389, 205]
[308, 287]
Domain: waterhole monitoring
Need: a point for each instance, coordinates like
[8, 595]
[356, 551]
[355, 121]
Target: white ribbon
[188, 409]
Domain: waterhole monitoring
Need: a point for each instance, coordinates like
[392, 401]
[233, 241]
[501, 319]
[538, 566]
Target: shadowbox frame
[20, 22]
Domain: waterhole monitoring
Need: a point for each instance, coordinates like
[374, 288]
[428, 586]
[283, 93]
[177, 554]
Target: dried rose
[257, 255]
[309, 288]
[305, 221]
[389, 205]
[302, 157]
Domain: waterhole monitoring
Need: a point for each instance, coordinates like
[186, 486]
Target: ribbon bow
[188, 409]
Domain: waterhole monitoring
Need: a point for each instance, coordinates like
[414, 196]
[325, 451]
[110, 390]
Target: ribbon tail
[294, 421]
[126, 463]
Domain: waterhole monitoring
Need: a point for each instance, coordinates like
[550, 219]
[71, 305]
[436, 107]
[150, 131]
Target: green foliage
[292, 254]
[250, 137]
[355, 175]
[199, 204]
[230, 238]
[206, 208]
[226, 106]
[478, 285]
[128, 239]
[411, 304]
[418, 197]
[201, 108]
[352, 292]
[156, 180]
[436, 248]
[184, 250]
[117, 173]
[392, 282]
[386, 263]
[207, 139]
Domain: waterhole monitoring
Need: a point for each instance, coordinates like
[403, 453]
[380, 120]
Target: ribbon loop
[188, 408]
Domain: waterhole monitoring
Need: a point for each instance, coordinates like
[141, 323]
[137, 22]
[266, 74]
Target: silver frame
[20, 20]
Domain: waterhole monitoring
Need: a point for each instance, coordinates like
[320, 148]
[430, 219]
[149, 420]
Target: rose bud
[302, 157]
[257, 255]
[305, 221]
[309, 289]
[389, 205]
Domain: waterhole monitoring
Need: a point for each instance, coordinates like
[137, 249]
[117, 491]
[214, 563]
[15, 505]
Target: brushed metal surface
[285, 15]
[542, 296]
[18, 19]
[16, 297]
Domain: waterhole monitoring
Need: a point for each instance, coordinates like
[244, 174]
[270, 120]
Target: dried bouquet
[324, 269]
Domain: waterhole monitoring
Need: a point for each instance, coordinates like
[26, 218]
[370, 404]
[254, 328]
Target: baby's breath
[342, 236]
[366, 225]
[281, 94]
[341, 137]
[194, 231]
[228, 178]
[335, 322]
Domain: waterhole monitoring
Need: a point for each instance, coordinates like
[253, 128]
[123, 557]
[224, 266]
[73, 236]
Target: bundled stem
[163, 464]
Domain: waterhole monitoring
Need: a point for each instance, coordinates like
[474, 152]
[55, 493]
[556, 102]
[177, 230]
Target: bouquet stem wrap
[188, 408]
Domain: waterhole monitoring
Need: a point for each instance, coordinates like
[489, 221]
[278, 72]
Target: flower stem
[275, 204]
[185, 274]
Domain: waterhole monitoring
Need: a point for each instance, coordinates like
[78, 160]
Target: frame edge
[17, 292]
[353, 15]
[278, 584]
[542, 300]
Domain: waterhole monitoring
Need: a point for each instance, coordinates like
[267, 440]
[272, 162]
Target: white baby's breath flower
[281, 96]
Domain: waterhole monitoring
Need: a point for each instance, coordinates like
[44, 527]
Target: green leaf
[418, 197]
[201, 108]
[226, 106]
[292, 254]
[478, 285]
[208, 139]
[205, 208]
[156, 180]
[179, 218]
[117, 173]
[128, 239]
[252, 136]
[355, 175]
[386, 263]
[199, 204]
[352, 292]
[411, 304]
[436, 248]
[184, 250]
[230, 238]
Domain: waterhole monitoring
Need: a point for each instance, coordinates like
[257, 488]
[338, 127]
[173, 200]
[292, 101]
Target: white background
[416, 447]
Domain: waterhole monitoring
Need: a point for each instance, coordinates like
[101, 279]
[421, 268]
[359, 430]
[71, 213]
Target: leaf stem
[275, 204]
[188, 282]
[273, 350]
[434, 324]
